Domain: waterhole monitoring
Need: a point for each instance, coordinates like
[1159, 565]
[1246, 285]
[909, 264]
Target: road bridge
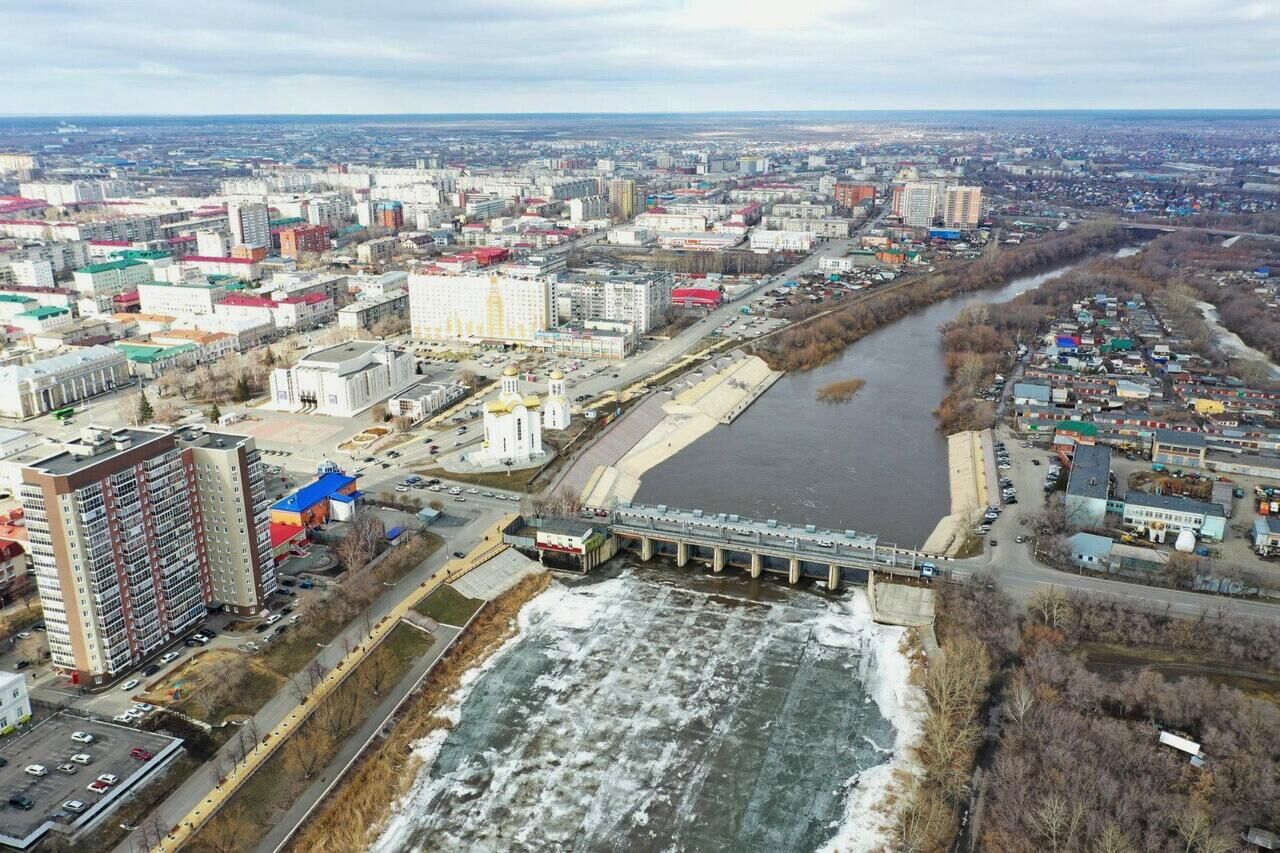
[727, 539]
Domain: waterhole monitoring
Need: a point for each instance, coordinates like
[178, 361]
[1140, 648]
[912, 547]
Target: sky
[68, 57]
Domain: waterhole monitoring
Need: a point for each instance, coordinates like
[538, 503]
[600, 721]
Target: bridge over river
[726, 539]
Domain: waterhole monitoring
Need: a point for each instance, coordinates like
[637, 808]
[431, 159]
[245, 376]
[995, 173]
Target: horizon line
[901, 110]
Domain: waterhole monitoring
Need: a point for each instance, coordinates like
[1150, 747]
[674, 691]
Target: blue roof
[345, 499]
[313, 493]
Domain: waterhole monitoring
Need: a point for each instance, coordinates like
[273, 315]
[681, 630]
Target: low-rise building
[50, 383]
[608, 339]
[1178, 449]
[1163, 516]
[151, 361]
[366, 312]
[424, 398]
[342, 380]
[1088, 486]
[245, 269]
[15, 704]
[375, 252]
[765, 240]
[180, 298]
[331, 496]
[42, 319]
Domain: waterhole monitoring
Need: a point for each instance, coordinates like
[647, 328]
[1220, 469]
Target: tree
[469, 378]
[360, 545]
[243, 392]
[378, 414]
[214, 413]
[1052, 607]
[144, 413]
[307, 751]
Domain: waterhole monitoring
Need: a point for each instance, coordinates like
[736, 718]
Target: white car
[125, 718]
[473, 491]
[130, 684]
[82, 737]
[143, 707]
[170, 656]
[273, 618]
[81, 758]
[74, 806]
[37, 770]
[108, 778]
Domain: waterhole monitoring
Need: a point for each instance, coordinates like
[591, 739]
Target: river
[877, 464]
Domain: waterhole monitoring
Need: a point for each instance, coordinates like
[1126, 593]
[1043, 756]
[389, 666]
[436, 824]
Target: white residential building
[588, 207]
[111, 277]
[479, 307]
[366, 312]
[637, 298]
[178, 299]
[15, 703]
[32, 273]
[250, 224]
[671, 221]
[764, 240]
[342, 380]
[963, 207]
[920, 202]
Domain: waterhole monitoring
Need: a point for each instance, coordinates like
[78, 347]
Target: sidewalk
[355, 744]
[199, 786]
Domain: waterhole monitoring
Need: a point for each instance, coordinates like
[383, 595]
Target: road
[197, 787]
[1014, 568]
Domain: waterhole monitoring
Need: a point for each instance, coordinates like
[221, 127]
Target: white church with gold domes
[512, 426]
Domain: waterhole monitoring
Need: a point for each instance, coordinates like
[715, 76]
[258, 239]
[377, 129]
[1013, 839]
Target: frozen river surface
[665, 712]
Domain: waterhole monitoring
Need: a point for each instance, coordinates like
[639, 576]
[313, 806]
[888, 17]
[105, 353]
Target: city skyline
[619, 56]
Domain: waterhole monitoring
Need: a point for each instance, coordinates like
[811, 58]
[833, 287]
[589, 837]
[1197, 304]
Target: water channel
[877, 464]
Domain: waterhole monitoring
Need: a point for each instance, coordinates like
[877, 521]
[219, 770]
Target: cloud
[246, 56]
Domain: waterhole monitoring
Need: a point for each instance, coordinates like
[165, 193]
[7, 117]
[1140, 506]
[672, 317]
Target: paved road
[1016, 570]
[198, 786]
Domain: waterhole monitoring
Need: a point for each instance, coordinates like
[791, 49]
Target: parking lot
[49, 744]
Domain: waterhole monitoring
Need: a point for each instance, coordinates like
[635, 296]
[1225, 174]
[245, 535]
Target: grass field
[270, 791]
[516, 481]
[448, 606]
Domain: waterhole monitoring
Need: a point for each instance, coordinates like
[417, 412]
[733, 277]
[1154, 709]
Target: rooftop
[313, 493]
[1090, 472]
[96, 445]
[108, 266]
[1173, 503]
[1179, 438]
[338, 353]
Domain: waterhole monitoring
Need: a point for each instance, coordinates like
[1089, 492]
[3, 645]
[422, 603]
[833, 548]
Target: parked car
[141, 754]
[36, 770]
[82, 737]
[151, 669]
[108, 778]
[98, 787]
[74, 806]
[131, 684]
[18, 801]
[82, 758]
[68, 768]
[458, 555]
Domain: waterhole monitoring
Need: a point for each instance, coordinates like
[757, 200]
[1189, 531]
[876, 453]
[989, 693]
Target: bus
[64, 414]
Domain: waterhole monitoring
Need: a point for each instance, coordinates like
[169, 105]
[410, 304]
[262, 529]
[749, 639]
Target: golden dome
[510, 371]
[555, 374]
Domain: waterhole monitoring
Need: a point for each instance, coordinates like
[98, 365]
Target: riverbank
[699, 402]
[815, 341]
[972, 480]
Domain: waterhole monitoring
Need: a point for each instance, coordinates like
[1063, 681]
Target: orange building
[330, 496]
[303, 238]
[852, 195]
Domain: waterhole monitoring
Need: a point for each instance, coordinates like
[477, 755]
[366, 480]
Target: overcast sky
[383, 56]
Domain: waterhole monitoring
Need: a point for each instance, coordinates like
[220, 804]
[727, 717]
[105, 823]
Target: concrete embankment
[717, 394]
[974, 485]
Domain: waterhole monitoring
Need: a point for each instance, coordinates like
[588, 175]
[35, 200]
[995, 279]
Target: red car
[141, 754]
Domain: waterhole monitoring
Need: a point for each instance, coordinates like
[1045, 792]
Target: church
[514, 422]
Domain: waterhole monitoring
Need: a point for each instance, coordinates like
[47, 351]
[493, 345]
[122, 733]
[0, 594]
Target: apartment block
[963, 207]
[236, 517]
[118, 547]
[479, 307]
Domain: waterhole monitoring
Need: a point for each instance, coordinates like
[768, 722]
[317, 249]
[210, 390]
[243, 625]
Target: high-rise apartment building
[303, 238]
[963, 207]
[117, 545]
[623, 198]
[250, 224]
[125, 528]
[919, 203]
[236, 516]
